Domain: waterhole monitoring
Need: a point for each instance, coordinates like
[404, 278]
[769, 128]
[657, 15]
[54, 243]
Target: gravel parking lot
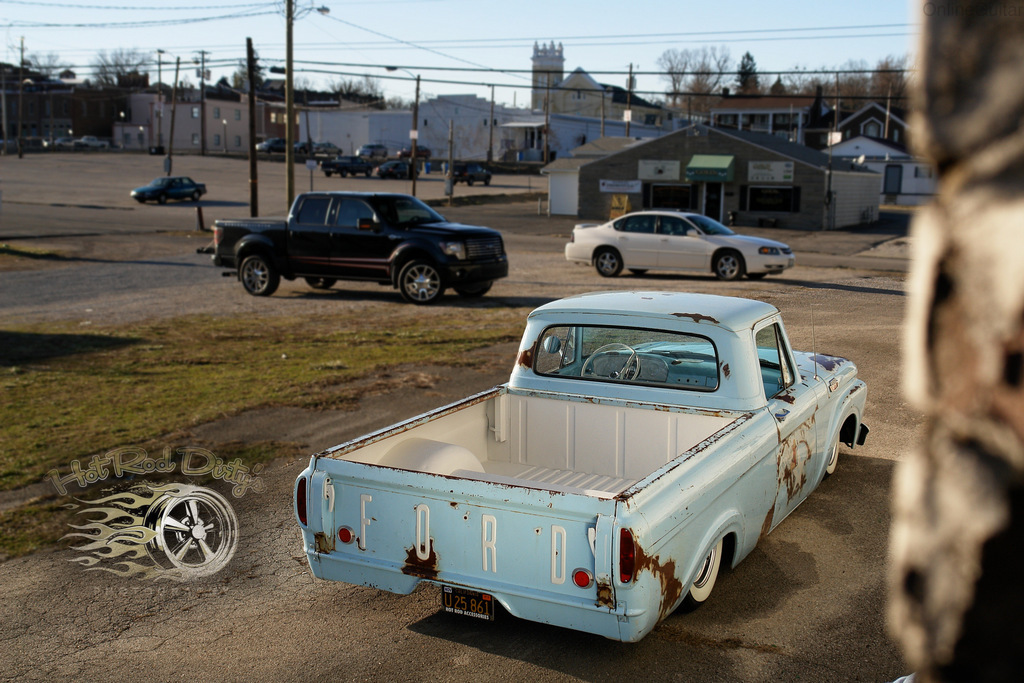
[808, 604]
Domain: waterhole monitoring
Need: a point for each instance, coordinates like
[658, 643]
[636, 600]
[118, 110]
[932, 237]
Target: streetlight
[414, 132]
[289, 94]
[225, 122]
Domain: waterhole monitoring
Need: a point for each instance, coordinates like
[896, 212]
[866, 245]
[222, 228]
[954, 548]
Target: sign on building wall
[770, 172]
[620, 186]
[651, 169]
[620, 206]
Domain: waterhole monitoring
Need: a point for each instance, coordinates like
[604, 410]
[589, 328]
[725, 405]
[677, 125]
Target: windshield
[402, 211]
[628, 355]
[709, 226]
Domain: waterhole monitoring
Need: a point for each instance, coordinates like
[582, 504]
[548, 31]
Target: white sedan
[674, 240]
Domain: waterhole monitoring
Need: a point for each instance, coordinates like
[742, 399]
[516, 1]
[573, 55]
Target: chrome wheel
[196, 531]
[608, 263]
[258, 277]
[728, 266]
[420, 283]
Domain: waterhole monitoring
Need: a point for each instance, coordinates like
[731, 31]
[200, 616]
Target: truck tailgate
[393, 529]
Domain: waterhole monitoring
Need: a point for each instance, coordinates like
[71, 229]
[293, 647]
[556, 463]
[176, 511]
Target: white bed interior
[552, 443]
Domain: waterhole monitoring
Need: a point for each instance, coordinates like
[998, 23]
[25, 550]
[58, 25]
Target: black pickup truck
[392, 239]
[345, 166]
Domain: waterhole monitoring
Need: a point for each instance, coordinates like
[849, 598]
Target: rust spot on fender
[794, 454]
[767, 525]
[665, 572]
[604, 595]
[697, 317]
[828, 362]
[787, 398]
[414, 566]
[726, 371]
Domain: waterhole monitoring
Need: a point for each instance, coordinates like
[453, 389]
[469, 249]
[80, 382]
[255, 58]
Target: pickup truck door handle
[781, 414]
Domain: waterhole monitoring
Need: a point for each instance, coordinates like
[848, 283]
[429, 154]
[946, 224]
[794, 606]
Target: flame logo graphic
[174, 531]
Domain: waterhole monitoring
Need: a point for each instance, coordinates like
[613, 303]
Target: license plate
[467, 603]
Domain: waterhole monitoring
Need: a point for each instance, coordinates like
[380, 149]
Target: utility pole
[629, 98]
[21, 88]
[250, 67]
[830, 208]
[202, 101]
[159, 98]
[174, 110]
[602, 111]
[414, 161]
[3, 106]
[449, 180]
[289, 106]
[490, 126]
[547, 114]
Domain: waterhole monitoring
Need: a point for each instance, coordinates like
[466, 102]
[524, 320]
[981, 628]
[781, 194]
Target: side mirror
[365, 224]
[691, 232]
[551, 345]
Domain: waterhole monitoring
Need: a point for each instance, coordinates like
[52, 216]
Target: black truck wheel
[420, 282]
[258, 275]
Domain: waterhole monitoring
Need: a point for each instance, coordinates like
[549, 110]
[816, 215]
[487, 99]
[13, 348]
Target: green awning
[712, 168]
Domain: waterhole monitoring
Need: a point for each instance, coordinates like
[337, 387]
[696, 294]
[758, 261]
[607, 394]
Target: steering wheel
[621, 374]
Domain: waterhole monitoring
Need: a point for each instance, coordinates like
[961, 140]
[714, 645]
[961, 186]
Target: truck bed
[556, 442]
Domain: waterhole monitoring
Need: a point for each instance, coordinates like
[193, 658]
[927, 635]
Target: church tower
[548, 71]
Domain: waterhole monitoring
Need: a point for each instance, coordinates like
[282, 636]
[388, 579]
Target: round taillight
[582, 578]
[345, 535]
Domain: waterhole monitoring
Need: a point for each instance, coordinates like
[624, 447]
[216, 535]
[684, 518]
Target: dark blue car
[172, 187]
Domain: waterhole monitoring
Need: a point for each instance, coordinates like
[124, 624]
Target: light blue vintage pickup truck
[644, 439]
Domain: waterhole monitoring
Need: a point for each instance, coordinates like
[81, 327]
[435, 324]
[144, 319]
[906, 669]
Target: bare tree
[119, 63]
[891, 77]
[365, 90]
[696, 75]
[710, 70]
[675, 64]
[49, 64]
[958, 527]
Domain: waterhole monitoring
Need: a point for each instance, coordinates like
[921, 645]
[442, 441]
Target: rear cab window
[628, 356]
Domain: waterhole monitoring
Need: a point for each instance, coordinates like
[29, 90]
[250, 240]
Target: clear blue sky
[359, 36]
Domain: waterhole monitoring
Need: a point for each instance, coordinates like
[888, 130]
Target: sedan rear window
[629, 356]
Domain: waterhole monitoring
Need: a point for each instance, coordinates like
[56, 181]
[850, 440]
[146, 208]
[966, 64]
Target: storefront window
[777, 199]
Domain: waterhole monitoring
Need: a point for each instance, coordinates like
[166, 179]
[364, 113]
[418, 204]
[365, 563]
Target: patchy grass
[31, 527]
[65, 395]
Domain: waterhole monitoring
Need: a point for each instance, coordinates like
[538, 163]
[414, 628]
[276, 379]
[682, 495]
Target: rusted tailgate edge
[404, 426]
